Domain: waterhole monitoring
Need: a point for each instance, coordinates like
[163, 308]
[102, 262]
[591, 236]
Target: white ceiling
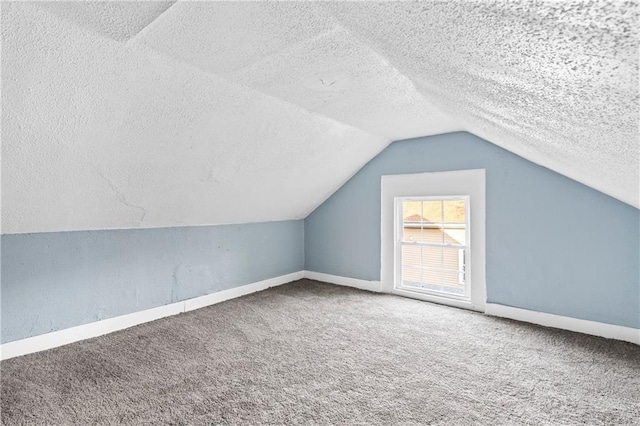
[147, 114]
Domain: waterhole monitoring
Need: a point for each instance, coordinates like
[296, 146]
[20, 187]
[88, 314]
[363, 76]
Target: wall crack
[122, 198]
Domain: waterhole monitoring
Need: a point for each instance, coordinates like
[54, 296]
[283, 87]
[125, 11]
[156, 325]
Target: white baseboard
[232, 293]
[99, 328]
[374, 286]
[610, 331]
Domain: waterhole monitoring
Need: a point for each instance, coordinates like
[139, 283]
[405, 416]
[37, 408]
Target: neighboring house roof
[432, 212]
[415, 218]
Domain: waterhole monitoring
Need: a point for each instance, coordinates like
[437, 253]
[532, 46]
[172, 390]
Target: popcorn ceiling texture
[143, 114]
[118, 20]
[555, 82]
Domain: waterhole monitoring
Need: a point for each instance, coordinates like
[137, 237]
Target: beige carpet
[311, 353]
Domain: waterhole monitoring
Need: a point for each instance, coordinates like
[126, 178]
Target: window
[433, 237]
[432, 245]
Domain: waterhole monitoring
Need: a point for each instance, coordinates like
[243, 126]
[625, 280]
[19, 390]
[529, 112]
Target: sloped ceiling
[147, 114]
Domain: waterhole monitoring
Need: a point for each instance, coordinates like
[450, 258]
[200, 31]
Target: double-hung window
[433, 237]
[432, 250]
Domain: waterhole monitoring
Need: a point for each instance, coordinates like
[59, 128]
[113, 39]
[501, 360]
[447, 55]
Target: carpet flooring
[312, 353]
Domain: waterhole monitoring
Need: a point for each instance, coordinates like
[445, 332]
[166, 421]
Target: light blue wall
[553, 245]
[53, 281]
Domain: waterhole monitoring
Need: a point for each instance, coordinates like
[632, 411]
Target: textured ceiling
[555, 82]
[145, 114]
[118, 20]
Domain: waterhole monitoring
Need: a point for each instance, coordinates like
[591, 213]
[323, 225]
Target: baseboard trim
[102, 327]
[232, 293]
[375, 286]
[610, 331]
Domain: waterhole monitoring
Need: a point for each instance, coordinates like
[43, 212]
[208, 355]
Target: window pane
[454, 211]
[432, 211]
[451, 259]
[432, 235]
[432, 276]
[411, 276]
[431, 257]
[411, 234]
[451, 282]
[411, 221]
[455, 235]
[411, 256]
[451, 278]
[434, 246]
[412, 211]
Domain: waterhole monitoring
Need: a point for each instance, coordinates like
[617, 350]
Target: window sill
[429, 297]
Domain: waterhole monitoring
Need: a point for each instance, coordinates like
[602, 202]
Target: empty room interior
[320, 213]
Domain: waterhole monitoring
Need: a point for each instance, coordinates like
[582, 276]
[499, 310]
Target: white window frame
[439, 184]
[398, 237]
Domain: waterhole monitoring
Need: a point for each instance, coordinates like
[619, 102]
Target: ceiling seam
[152, 21]
[368, 44]
[134, 43]
[210, 74]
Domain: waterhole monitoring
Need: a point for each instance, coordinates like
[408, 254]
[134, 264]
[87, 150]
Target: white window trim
[463, 182]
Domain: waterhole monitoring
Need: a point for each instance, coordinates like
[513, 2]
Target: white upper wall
[143, 114]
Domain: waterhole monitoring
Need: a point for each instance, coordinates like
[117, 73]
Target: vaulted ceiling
[146, 114]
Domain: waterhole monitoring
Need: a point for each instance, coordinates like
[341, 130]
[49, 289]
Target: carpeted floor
[312, 353]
